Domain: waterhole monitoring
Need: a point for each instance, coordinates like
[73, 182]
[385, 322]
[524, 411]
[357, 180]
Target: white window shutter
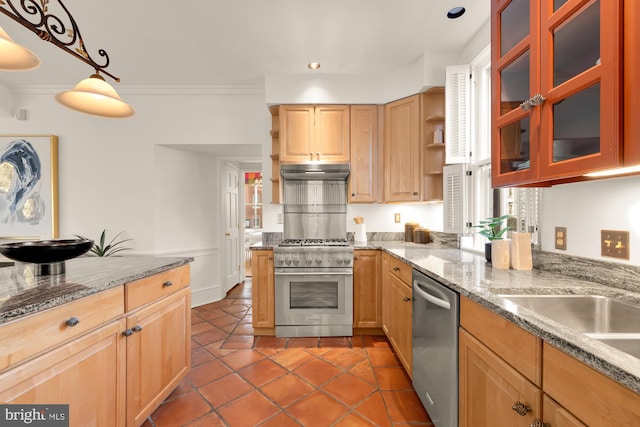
[458, 114]
[455, 199]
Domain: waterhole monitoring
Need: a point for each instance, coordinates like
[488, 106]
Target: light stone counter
[22, 293]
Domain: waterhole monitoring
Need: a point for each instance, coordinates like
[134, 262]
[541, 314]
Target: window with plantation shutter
[455, 199]
[457, 112]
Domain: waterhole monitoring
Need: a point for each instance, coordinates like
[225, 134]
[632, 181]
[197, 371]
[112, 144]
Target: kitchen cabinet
[600, 401]
[367, 291]
[66, 344]
[490, 389]
[276, 182]
[631, 83]
[365, 179]
[501, 364]
[556, 100]
[113, 356]
[314, 133]
[402, 150]
[397, 308]
[158, 331]
[433, 114]
[263, 292]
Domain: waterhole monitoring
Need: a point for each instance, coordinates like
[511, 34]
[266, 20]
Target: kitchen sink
[584, 313]
[628, 343]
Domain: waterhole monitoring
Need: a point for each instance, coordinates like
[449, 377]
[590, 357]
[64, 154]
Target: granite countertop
[22, 293]
[470, 275]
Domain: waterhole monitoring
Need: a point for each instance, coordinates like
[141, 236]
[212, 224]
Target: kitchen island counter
[22, 293]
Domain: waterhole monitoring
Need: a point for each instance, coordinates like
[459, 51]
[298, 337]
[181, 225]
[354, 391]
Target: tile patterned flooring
[238, 380]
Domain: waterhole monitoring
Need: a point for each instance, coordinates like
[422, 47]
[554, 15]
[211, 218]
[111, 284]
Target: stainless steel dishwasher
[435, 348]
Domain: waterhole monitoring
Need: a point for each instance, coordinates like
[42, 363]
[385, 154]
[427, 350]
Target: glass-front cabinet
[556, 110]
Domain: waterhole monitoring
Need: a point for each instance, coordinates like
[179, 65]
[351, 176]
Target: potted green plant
[492, 229]
[101, 248]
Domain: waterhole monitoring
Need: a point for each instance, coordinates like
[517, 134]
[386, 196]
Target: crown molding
[210, 91]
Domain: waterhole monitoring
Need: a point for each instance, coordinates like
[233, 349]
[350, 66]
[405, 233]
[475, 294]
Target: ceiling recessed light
[456, 12]
[313, 65]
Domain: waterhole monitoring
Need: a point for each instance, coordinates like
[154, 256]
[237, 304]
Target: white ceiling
[238, 42]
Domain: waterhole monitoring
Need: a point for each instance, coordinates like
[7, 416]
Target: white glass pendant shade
[96, 97]
[14, 57]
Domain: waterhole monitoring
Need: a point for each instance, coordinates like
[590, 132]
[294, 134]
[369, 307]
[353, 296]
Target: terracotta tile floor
[240, 380]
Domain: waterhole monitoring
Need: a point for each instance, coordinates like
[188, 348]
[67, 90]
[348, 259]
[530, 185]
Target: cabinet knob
[356, 257]
[415, 193]
[310, 156]
[539, 423]
[536, 99]
[72, 322]
[353, 194]
[127, 332]
[406, 299]
[318, 156]
[167, 284]
[137, 328]
[396, 269]
[270, 258]
[520, 408]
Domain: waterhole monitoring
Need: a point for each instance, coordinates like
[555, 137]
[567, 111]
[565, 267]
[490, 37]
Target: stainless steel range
[314, 264]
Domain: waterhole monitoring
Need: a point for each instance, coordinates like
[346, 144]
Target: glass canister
[409, 227]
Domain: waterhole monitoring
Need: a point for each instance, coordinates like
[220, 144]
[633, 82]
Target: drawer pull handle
[396, 269]
[72, 322]
[406, 299]
[137, 328]
[520, 408]
[539, 423]
[167, 284]
[127, 332]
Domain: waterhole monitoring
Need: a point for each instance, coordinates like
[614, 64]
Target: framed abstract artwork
[28, 187]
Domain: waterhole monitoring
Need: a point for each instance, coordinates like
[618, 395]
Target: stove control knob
[339, 261]
[287, 261]
[309, 261]
[347, 261]
[296, 261]
[318, 260]
[279, 261]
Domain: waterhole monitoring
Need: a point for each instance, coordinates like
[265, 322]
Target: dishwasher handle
[419, 289]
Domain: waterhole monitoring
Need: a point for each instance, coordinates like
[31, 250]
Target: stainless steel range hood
[315, 171]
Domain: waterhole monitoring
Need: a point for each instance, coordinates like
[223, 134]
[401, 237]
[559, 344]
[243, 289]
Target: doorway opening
[252, 215]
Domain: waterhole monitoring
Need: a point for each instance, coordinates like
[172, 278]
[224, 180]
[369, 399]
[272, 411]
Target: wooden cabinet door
[401, 327]
[331, 141]
[490, 388]
[263, 290]
[365, 179]
[367, 289]
[158, 353]
[402, 151]
[297, 133]
[556, 416]
[386, 295]
[88, 374]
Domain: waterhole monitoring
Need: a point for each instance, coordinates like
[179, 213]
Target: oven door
[314, 303]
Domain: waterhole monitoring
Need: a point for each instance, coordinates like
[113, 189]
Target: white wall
[381, 217]
[114, 175]
[586, 208]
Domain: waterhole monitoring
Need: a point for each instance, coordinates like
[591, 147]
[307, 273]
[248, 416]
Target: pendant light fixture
[14, 57]
[92, 95]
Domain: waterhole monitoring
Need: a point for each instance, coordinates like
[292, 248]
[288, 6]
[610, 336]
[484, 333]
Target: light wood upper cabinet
[314, 133]
[365, 179]
[367, 289]
[568, 53]
[263, 292]
[402, 159]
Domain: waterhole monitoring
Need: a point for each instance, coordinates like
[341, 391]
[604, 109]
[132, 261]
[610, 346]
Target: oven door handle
[316, 273]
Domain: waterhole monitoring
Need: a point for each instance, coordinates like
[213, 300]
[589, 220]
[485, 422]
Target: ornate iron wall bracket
[62, 32]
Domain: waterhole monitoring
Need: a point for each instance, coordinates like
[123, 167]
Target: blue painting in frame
[28, 187]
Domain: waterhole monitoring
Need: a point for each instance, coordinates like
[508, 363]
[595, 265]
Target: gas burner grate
[314, 242]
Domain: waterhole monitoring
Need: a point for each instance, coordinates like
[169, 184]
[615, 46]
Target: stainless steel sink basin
[584, 313]
[628, 343]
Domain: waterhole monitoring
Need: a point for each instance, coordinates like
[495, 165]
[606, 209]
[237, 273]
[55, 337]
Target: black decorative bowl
[46, 251]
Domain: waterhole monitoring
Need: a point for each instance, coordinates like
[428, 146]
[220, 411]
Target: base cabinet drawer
[87, 374]
[595, 399]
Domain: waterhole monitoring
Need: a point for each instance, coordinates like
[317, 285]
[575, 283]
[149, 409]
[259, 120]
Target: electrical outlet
[615, 243]
[396, 218]
[561, 238]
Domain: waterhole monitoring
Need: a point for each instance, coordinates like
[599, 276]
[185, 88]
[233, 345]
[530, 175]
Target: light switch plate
[615, 243]
[561, 238]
